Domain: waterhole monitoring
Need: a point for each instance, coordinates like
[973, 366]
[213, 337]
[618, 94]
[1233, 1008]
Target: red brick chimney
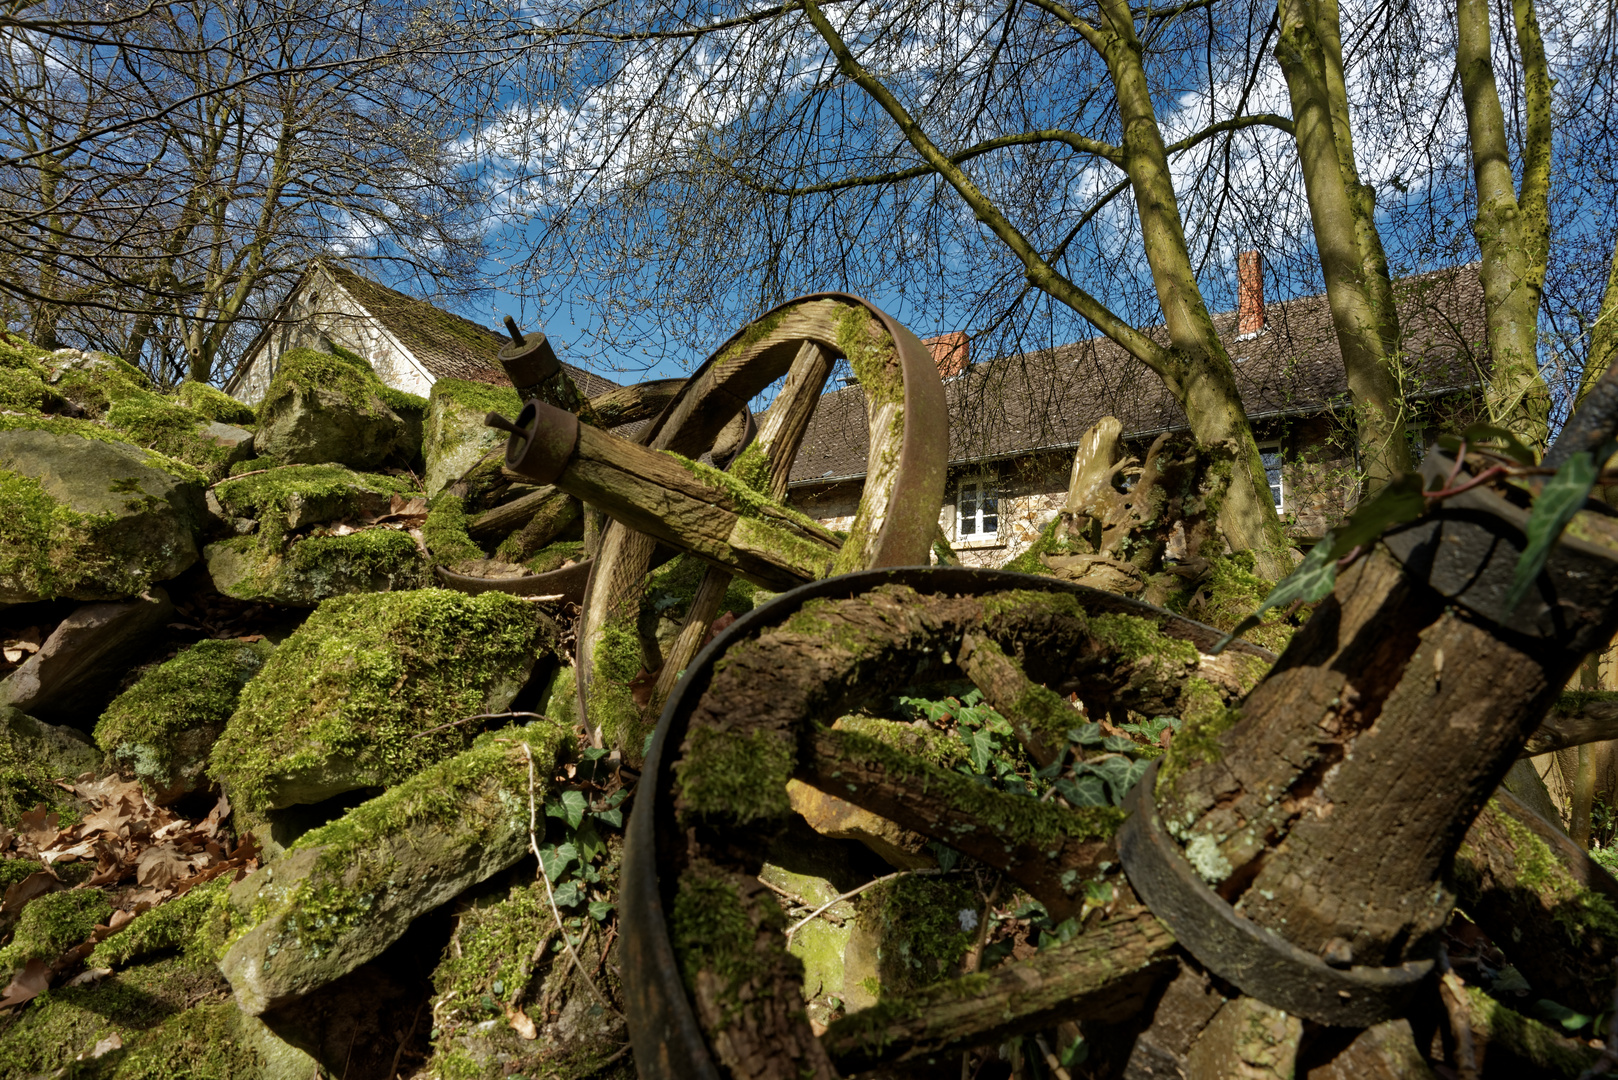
[951, 352]
[1249, 295]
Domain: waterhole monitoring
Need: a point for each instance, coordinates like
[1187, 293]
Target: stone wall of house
[318, 316]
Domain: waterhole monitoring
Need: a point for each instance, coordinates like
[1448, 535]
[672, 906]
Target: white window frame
[1278, 488]
[977, 486]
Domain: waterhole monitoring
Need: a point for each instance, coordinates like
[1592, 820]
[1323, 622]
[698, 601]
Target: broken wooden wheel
[653, 493]
[712, 989]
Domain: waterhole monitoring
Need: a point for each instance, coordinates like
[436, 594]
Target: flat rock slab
[79, 666]
[314, 569]
[89, 519]
[346, 891]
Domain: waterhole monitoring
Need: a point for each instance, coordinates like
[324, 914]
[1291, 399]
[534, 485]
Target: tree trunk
[1342, 211]
[1512, 228]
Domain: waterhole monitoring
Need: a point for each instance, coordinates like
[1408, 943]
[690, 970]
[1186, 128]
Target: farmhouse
[1015, 421]
[409, 342]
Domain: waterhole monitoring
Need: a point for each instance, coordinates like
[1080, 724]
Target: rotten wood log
[1578, 718]
[1548, 906]
[1301, 821]
[677, 501]
[1105, 975]
[633, 404]
[550, 519]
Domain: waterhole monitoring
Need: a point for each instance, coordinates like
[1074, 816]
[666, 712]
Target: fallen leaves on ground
[144, 854]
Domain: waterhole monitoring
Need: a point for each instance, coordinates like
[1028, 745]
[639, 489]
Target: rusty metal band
[668, 1040]
[567, 582]
[1469, 552]
[1238, 950]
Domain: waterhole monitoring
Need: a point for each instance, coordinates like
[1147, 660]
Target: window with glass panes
[977, 511]
[1271, 454]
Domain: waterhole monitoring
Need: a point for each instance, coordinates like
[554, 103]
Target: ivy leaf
[1400, 501]
[1561, 1014]
[981, 748]
[554, 859]
[600, 909]
[613, 817]
[1562, 496]
[573, 806]
[1086, 735]
[567, 893]
[1086, 790]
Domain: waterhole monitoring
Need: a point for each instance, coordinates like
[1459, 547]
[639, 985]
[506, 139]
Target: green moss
[23, 390]
[1052, 540]
[367, 672]
[734, 776]
[68, 1021]
[13, 869]
[919, 922]
[208, 1041]
[871, 354]
[1017, 819]
[445, 531]
[312, 492]
[752, 468]
[712, 931]
[1229, 592]
[495, 951]
[54, 923]
[1581, 912]
[929, 744]
[751, 334]
[213, 404]
[178, 709]
[86, 429]
[478, 397]
[1135, 638]
[747, 501]
[1528, 1040]
[1573, 702]
[254, 465]
[563, 704]
[314, 568]
[405, 404]
[615, 662]
[26, 778]
[1206, 717]
[159, 424]
[552, 556]
[304, 371]
[22, 356]
[195, 925]
[347, 879]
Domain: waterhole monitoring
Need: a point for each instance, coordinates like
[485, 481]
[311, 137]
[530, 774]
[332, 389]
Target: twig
[598, 1066]
[253, 472]
[1051, 1061]
[533, 845]
[809, 918]
[479, 716]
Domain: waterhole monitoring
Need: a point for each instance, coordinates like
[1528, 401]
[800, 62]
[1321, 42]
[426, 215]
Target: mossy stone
[214, 404]
[446, 531]
[455, 437]
[297, 496]
[325, 408]
[182, 433]
[346, 891]
[343, 703]
[163, 727]
[317, 568]
[52, 924]
[32, 756]
[91, 519]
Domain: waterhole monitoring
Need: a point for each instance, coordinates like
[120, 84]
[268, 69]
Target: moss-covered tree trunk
[1194, 366]
[1342, 210]
[1512, 225]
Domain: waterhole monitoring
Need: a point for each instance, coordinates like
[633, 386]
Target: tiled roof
[1047, 400]
[447, 345]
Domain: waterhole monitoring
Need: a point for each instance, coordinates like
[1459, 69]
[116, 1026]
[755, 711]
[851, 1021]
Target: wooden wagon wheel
[898, 511]
[706, 1003]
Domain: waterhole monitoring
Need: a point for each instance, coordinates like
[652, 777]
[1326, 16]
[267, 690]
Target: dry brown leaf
[161, 865]
[84, 849]
[34, 885]
[25, 644]
[112, 1042]
[39, 826]
[34, 979]
[88, 977]
[521, 1023]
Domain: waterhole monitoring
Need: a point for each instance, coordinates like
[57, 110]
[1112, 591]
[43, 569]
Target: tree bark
[1342, 211]
[1512, 227]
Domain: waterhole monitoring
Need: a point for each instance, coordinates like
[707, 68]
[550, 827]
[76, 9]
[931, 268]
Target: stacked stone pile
[268, 796]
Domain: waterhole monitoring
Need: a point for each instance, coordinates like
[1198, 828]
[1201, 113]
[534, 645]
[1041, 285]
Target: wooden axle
[679, 502]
